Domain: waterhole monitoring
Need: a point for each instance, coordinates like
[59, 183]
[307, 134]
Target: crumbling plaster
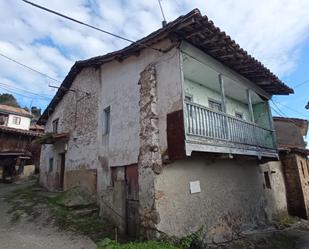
[275, 197]
[77, 114]
[121, 92]
[231, 197]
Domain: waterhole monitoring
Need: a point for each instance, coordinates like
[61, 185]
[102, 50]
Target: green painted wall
[261, 115]
[202, 83]
[202, 94]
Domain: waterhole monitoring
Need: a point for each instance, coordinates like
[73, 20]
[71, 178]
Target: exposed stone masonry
[149, 159]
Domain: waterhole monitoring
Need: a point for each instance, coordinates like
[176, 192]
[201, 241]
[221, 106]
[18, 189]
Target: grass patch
[111, 244]
[91, 225]
[285, 220]
[23, 203]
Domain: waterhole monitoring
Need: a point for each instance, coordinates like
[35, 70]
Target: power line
[23, 95]
[291, 109]
[302, 83]
[277, 112]
[86, 24]
[26, 91]
[282, 113]
[30, 68]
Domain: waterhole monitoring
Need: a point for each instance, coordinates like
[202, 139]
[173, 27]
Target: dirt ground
[31, 218]
[27, 234]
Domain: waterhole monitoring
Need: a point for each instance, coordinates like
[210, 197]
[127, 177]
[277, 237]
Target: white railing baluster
[203, 121]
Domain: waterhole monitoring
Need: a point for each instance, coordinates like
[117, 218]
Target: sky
[273, 31]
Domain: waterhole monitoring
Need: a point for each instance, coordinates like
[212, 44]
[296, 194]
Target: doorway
[62, 170]
[132, 200]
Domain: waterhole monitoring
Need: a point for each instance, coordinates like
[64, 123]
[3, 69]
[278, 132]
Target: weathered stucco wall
[121, 92]
[303, 169]
[231, 197]
[275, 196]
[77, 113]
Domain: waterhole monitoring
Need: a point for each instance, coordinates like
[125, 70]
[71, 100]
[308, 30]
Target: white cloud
[272, 31]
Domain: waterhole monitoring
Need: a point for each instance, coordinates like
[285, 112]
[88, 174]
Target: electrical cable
[295, 111]
[26, 96]
[302, 83]
[30, 68]
[88, 25]
[26, 91]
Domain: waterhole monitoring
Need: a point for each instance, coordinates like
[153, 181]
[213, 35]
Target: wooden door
[132, 203]
[62, 170]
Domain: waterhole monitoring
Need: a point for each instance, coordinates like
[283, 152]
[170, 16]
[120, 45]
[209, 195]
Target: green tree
[8, 99]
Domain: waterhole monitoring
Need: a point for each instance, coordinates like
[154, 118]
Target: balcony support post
[249, 97]
[221, 81]
[227, 128]
[272, 127]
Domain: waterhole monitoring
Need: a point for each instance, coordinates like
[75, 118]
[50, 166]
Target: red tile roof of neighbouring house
[15, 110]
[36, 127]
[200, 32]
[5, 129]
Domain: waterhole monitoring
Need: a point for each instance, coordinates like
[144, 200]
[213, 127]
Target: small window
[55, 125]
[267, 180]
[107, 117]
[239, 115]
[16, 120]
[188, 97]
[51, 164]
[215, 105]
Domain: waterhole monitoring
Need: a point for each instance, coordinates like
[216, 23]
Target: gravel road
[30, 235]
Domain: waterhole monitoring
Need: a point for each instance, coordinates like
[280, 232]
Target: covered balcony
[204, 125]
[224, 112]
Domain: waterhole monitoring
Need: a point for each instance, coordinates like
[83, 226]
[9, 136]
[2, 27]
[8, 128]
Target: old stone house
[294, 159]
[286, 180]
[169, 132]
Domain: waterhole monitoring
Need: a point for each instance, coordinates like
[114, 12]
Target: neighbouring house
[15, 117]
[294, 159]
[169, 133]
[17, 151]
[286, 181]
[16, 147]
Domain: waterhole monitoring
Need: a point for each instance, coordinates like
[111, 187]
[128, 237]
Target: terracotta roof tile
[15, 110]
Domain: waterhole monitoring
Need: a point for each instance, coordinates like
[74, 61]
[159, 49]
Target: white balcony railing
[205, 122]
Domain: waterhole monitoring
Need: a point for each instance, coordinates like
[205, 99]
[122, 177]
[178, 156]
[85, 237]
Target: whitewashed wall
[24, 122]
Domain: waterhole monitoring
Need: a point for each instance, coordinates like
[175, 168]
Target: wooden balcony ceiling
[200, 32]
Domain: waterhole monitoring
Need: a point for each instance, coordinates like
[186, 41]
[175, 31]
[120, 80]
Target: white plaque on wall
[195, 187]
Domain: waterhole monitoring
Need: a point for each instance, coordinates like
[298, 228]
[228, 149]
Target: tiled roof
[200, 32]
[10, 130]
[14, 110]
